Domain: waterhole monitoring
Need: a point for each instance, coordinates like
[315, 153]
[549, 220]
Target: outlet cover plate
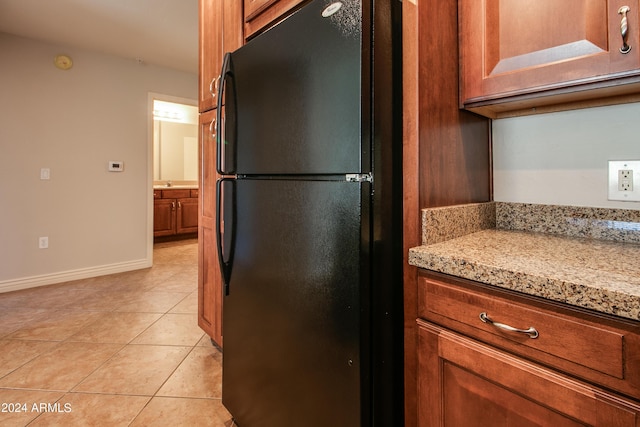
[615, 192]
[116, 166]
[43, 242]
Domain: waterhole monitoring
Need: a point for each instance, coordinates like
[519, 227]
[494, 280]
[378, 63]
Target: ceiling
[158, 32]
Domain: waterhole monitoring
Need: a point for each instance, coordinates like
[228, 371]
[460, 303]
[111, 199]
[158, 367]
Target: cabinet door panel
[498, 405]
[528, 34]
[187, 219]
[511, 47]
[164, 214]
[254, 7]
[209, 278]
[210, 55]
[209, 283]
[462, 382]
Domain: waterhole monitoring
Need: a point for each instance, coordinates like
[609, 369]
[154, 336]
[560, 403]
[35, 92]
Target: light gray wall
[74, 122]
[562, 158]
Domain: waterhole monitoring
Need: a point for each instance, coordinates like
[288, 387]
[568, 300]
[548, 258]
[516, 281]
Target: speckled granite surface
[440, 224]
[601, 274]
[622, 225]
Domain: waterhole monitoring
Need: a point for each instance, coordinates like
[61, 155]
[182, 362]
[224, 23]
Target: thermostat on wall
[116, 166]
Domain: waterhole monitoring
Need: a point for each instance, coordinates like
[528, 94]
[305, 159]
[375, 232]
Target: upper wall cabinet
[210, 23]
[220, 31]
[261, 14]
[522, 56]
[253, 7]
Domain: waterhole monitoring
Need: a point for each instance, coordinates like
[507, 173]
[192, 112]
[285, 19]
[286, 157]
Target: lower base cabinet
[560, 367]
[175, 212]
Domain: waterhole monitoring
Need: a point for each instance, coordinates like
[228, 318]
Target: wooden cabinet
[209, 277]
[261, 14]
[580, 368]
[187, 214]
[519, 55]
[164, 217]
[210, 53]
[220, 31]
[175, 212]
[253, 7]
[465, 383]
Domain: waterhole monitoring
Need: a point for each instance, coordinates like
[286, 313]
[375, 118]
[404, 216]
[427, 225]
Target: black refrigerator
[309, 219]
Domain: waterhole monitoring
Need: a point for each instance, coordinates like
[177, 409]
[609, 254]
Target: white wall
[562, 158]
[74, 122]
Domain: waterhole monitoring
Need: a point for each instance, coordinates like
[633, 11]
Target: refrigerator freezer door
[293, 97]
[292, 317]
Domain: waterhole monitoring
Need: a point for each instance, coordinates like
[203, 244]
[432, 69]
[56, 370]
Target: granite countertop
[585, 257]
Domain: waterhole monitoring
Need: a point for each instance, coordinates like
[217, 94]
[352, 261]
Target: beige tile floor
[118, 350]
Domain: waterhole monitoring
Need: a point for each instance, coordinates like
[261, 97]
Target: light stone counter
[176, 187]
[585, 257]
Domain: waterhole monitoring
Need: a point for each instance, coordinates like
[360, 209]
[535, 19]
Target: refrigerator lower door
[292, 315]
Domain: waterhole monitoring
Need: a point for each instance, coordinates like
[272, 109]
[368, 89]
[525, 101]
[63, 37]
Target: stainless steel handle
[179, 205]
[531, 331]
[624, 29]
[173, 206]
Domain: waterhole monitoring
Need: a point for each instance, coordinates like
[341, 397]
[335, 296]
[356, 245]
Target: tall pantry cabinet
[220, 31]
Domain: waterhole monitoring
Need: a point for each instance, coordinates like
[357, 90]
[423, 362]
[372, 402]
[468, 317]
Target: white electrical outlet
[624, 180]
[43, 242]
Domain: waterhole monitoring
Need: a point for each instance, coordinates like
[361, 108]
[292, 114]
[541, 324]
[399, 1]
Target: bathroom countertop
[175, 187]
[594, 273]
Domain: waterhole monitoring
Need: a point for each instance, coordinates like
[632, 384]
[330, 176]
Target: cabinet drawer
[176, 194]
[195, 193]
[594, 347]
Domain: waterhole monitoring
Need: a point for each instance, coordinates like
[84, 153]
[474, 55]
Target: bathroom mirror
[175, 144]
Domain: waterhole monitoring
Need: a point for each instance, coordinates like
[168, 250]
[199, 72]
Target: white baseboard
[66, 276]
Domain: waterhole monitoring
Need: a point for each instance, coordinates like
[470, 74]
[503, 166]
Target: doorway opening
[173, 152]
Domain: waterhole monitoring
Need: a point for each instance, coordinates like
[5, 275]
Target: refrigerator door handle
[221, 144]
[225, 227]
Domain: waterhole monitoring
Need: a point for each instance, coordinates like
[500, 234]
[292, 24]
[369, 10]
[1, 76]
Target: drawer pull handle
[532, 332]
